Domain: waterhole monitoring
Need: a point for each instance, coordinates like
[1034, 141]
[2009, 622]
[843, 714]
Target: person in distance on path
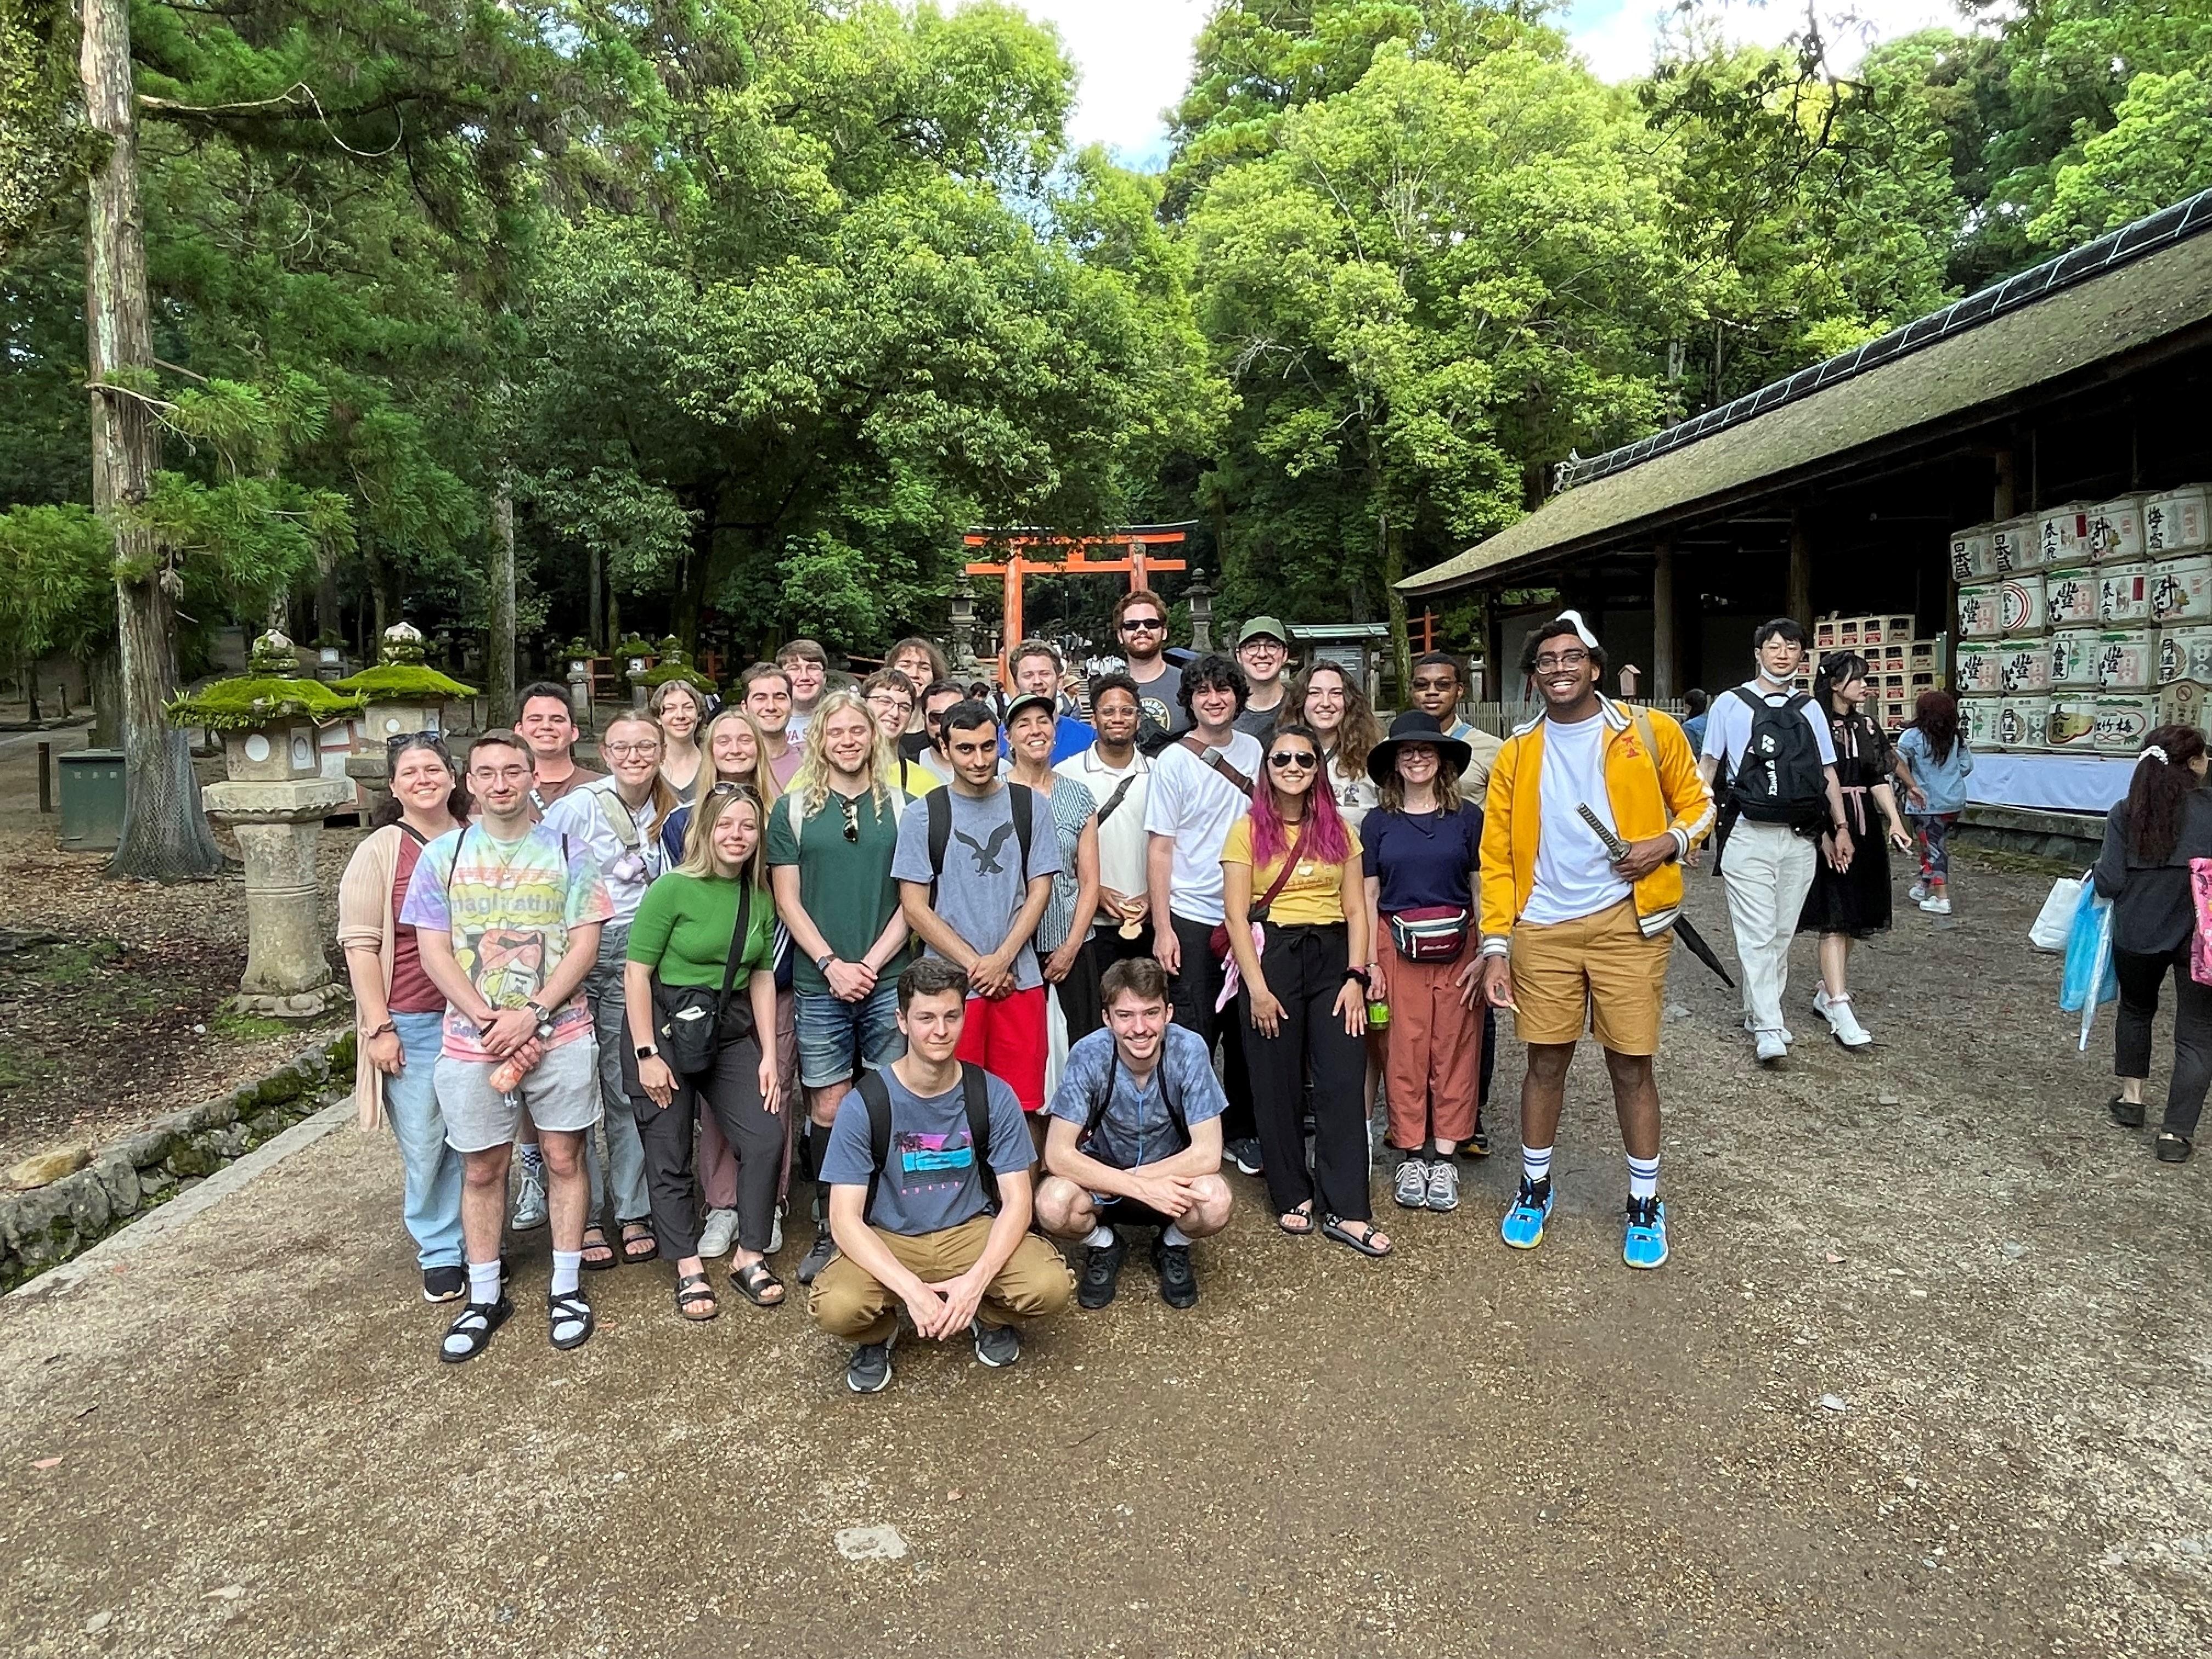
[1576, 915]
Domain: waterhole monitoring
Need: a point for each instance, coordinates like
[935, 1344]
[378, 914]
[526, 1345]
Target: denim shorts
[831, 1031]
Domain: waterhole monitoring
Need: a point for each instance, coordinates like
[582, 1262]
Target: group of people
[911, 936]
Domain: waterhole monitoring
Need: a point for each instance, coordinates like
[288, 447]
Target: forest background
[724, 318]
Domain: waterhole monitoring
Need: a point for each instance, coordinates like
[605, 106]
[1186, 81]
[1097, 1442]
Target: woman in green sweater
[685, 936]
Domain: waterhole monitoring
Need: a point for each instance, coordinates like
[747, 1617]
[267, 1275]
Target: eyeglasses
[883, 700]
[1142, 625]
[1296, 760]
[1563, 659]
[625, 750]
[1438, 682]
[852, 811]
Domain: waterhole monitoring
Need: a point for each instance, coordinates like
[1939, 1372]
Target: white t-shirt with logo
[1574, 875]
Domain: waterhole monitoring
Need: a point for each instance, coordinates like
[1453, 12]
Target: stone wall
[46, 1226]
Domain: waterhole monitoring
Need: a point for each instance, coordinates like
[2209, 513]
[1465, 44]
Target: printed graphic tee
[930, 1182]
[983, 885]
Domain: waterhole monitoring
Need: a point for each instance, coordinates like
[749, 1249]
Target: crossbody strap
[1215, 759]
[1259, 912]
[1121, 794]
[737, 948]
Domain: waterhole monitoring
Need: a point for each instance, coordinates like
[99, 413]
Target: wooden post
[1801, 566]
[45, 777]
[1666, 644]
[1137, 577]
[499, 633]
[2004, 491]
[1010, 600]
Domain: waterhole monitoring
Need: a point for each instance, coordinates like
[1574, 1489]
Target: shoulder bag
[690, 1023]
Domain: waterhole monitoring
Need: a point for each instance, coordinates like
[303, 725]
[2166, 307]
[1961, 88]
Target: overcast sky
[1135, 54]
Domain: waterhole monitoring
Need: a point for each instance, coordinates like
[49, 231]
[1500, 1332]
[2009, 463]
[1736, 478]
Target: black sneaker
[997, 1345]
[1178, 1283]
[1244, 1153]
[811, 1264]
[1101, 1272]
[1478, 1144]
[869, 1370]
[444, 1284]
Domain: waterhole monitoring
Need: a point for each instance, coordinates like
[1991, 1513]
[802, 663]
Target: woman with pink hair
[1295, 899]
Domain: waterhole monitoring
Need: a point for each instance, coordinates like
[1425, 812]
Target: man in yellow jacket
[1591, 809]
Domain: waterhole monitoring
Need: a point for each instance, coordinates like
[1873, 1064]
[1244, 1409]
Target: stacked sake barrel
[2082, 627]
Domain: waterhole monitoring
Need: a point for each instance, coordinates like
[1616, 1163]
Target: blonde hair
[763, 780]
[664, 800]
[699, 839]
[811, 781]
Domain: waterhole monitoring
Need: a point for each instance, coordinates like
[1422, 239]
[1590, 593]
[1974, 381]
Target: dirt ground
[1929, 1375]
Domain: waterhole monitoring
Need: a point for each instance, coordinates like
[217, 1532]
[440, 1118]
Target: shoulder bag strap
[616, 811]
[976, 1095]
[1259, 912]
[738, 938]
[1219, 763]
[1021, 804]
[1121, 794]
[876, 1095]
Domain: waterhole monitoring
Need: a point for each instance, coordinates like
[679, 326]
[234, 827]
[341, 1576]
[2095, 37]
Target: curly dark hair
[1214, 672]
[1553, 630]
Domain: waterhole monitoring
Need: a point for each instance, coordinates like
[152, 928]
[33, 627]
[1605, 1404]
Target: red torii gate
[1137, 560]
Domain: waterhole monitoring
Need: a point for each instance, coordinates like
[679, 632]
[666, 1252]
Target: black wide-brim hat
[1415, 727]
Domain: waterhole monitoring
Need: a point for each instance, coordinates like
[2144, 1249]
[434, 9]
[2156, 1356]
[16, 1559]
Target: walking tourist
[1578, 907]
[399, 1014]
[1769, 754]
[701, 1025]
[2150, 837]
[1296, 910]
[681, 708]
[829, 848]
[1263, 651]
[1140, 623]
[1852, 900]
[1422, 846]
[1338, 712]
[806, 669]
[1118, 776]
[1693, 724]
[506, 915]
[765, 692]
[1933, 761]
[1135, 1141]
[930, 1200]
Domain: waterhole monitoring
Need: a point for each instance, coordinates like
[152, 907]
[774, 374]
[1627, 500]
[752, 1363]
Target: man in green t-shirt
[831, 839]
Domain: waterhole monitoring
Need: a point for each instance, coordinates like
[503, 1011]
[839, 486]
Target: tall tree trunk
[104, 683]
[1391, 536]
[595, 628]
[499, 646]
[165, 836]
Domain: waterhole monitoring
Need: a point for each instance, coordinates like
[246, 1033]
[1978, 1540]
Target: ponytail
[2163, 780]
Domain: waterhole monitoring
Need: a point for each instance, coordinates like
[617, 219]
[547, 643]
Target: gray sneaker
[1443, 1185]
[529, 1199]
[997, 1345]
[869, 1370]
[1414, 1183]
[817, 1257]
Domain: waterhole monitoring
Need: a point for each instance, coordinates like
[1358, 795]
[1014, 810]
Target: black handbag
[690, 1024]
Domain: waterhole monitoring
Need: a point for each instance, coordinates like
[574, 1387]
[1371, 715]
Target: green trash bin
[92, 799]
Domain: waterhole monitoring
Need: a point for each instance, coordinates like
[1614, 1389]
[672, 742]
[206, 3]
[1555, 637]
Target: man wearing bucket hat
[1263, 651]
[1592, 807]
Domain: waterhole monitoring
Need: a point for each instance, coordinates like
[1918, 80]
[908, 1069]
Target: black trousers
[1304, 969]
[2139, 978]
[1191, 996]
[732, 1091]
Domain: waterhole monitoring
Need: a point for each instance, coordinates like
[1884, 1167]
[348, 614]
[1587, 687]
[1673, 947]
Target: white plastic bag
[2056, 919]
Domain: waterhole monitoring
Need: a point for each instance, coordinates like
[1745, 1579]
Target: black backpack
[876, 1095]
[1778, 777]
[1020, 802]
[1098, 1114]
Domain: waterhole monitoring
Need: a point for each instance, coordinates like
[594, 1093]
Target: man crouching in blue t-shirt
[918, 1221]
[1136, 1139]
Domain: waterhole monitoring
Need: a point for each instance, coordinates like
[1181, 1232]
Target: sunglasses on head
[743, 791]
[399, 740]
[1298, 760]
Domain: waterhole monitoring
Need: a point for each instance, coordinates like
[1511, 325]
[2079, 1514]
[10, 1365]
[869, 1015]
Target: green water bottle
[1378, 1012]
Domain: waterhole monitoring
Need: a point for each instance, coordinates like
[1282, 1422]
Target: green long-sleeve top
[683, 925]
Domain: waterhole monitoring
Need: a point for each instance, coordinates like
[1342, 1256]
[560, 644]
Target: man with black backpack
[1135, 1140]
[1776, 766]
[928, 1170]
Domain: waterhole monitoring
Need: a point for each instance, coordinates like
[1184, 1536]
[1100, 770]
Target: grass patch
[18, 1069]
[247, 1027]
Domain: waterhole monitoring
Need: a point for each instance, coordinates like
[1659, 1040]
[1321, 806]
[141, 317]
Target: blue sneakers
[1644, 1244]
[1523, 1226]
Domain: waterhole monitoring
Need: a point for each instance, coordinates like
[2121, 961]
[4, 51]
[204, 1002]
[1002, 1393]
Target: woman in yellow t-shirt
[1304, 1002]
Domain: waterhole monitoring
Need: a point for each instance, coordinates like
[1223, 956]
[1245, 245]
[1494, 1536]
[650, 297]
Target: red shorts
[1007, 1039]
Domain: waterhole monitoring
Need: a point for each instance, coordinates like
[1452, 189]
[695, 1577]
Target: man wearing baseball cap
[1263, 651]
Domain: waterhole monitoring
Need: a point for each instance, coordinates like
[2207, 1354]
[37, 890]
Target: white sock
[532, 1159]
[1643, 1177]
[568, 1269]
[483, 1281]
[1535, 1164]
[1174, 1236]
[1099, 1236]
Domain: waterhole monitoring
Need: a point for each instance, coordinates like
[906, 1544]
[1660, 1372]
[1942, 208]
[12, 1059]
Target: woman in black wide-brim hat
[1421, 846]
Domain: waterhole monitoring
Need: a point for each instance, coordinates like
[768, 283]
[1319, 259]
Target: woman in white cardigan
[401, 1014]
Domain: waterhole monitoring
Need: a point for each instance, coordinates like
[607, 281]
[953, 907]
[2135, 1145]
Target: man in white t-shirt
[1201, 785]
[1119, 777]
[1774, 806]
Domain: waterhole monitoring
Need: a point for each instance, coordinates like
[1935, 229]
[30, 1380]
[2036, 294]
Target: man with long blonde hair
[830, 842]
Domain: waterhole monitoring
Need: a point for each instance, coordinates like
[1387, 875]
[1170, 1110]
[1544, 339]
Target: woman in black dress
[1852, 902]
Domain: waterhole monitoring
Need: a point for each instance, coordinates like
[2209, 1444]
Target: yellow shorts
[1597, 969]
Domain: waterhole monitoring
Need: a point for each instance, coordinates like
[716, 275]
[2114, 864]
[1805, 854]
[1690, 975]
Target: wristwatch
[537, 1009]
[646, 1051]
[822, 963]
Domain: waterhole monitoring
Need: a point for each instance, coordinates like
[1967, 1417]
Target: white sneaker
[529, 1198]
[1844, 1022]
[718, 1234]
[1916, 892]
[1787, 1036]
[1771, 1047]
[1936, 907]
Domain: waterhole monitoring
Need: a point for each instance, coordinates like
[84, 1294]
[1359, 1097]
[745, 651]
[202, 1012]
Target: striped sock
[1643, 1177]
[1535, 1164]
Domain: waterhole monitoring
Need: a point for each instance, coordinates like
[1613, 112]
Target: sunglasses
[746, 791]
[1142, 625]
[852, 811]
[1295, 760]
[399, 740]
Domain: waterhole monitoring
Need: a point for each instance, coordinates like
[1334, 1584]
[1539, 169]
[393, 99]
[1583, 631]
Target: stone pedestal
[278, 825]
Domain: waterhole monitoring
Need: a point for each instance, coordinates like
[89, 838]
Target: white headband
[2153, 753]
[1581, 630]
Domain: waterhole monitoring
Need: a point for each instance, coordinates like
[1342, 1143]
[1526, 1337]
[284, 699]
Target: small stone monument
[403, 695]
[275, 797]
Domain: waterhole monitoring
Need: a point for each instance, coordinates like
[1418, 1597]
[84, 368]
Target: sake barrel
[1981, 614]
[2013, 546]
[2123, 721]
[1977, 721]
[2175, 521]
[1980, 667]
[2116, 529]
[2185, 654]
[2022, 722]
[2024, 666]
[2070, 597]
[2072, 657]
[1972, 559]
[2062, 534]
[2020, 605]
[2071, 727]
[2181, 589]
[2127, 659]
[2124, 593]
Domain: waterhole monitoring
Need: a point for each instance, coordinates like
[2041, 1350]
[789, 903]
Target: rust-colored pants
[1434, 1051]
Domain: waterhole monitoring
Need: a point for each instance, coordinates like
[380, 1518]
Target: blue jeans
[432, 1200]
[832, 1030]
[623, 1165]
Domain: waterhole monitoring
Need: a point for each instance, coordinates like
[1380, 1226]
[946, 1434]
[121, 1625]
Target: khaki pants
[1035, 1283]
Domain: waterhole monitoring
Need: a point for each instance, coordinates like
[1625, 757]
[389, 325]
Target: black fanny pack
[691, 1023]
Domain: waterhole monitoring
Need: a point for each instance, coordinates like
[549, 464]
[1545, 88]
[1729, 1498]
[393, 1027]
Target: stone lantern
[275, 797]
[403, 695]
[961, 613]
[1199, 593]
